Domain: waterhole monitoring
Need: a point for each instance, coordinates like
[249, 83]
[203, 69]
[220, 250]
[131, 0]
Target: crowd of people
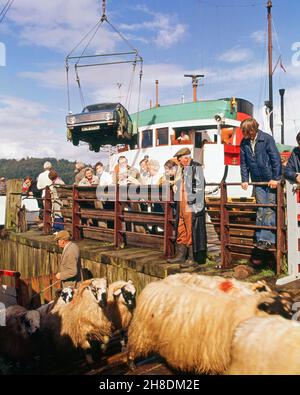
[260, 161]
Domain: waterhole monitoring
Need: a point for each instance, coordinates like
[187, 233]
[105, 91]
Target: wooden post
[280, 219]
[168, 228]
[13, 202]
[76, 234]
[224, 228]
[118, 221]
[47, 212]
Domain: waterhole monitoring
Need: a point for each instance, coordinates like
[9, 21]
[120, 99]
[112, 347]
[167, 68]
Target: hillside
[12, 168]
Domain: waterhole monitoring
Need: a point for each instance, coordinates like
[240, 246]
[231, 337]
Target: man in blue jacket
[292, 169]
[261, 160]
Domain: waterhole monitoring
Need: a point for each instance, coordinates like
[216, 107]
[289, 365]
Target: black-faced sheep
[191, 328]
[75, 324]
[19, 341]
[63, 296]
[121, 302]
[266, 345]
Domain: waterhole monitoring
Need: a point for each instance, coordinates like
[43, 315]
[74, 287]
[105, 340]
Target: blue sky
[224, 39]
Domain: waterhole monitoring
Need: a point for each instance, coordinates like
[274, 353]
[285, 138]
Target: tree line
[32, 167]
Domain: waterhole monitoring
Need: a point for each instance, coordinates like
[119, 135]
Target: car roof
[100, 106]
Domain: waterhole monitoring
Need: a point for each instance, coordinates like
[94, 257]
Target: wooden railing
[146, 221]
[149, 221]
[235, 222]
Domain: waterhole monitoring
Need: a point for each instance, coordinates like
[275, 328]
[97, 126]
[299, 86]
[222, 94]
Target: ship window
[147, 138]
[162, 136]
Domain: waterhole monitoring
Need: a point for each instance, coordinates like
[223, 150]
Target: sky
[223, 39]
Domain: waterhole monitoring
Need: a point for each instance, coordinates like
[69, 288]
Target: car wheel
[75, 141]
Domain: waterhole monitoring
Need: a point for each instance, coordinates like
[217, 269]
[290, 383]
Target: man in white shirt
[104, 177]
[43, 180]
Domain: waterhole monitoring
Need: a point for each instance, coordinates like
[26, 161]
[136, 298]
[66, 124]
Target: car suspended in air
[107, 123]
[103, 123]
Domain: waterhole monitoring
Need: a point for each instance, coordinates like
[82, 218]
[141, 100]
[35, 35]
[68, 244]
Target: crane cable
[138, 58]
[5, 9]
[69, 55]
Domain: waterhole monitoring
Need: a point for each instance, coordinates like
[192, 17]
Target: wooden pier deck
[36, 256]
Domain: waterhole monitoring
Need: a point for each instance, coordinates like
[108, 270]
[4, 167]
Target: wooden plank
[148, 241]
[13, 201]
[242, 232]
[101, 234]
[97, 214]
[242, 241]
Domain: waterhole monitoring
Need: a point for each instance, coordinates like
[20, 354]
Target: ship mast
[270, 59]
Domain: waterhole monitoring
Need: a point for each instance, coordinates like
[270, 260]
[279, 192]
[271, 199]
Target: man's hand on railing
[244, 185]
[298, 178]
[273, 184]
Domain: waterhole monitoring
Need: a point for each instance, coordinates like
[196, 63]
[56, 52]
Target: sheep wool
[266, 346]
[18, 340]
[191, 328]
[118, 310]
[230, 286]
[74, 324]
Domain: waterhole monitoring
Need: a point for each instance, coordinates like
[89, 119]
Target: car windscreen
[100, 107]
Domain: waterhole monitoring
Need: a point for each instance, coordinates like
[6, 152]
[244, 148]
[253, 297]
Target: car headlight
[71, 120]
[108, 116]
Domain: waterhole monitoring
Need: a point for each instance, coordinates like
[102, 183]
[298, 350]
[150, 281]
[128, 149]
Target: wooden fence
[149, 221]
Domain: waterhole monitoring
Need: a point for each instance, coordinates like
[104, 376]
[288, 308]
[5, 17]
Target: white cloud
[236, 55]
[59, 24]
[259, 36]
[30, 133]
[167, 31]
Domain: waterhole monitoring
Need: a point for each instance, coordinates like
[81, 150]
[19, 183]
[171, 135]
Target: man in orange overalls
[190, 224]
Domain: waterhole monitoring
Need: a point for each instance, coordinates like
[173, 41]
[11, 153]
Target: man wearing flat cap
[70, 267]
[191, 236]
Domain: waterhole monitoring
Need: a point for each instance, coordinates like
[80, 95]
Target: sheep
[75, 324]
[120, 305]
[191, 328]
[63, 296]
[266, 346]
[19, 339]
[230, 286]
[281, 302]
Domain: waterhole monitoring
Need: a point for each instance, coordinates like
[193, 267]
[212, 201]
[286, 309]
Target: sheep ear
[117, 292]
[130, 282]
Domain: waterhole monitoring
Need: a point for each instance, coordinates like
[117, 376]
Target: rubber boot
[190, 261]
[180, 257]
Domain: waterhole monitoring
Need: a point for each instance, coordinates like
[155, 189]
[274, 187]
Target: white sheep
[231, 286]
[75, 324]
[266, 346]
[281, 302]
[121, 301]
[191, 328]
[19, 339]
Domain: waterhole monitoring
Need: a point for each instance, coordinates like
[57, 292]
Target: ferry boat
[210, 129]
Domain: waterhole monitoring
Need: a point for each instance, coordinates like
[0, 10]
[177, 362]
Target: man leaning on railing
[261, 160]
